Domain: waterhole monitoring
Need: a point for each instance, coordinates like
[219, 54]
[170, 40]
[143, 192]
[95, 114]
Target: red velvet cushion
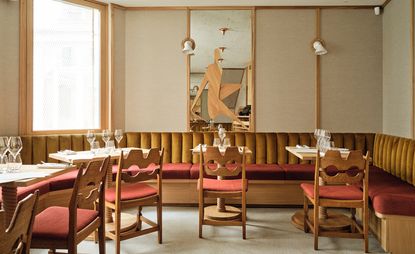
[342, 192]
[253, 172]
[53, 223]
[222, 185]
[64, 181]
[131, 191]
[299, 171]
[395, 204]
[23, 192]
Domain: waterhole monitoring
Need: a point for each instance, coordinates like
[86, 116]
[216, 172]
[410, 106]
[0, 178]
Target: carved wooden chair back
[333, 169]
[16, 238]
[137, 157]
[230, 163]
[88, 188]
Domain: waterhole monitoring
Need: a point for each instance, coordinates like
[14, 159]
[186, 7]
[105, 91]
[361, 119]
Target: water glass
[118, 136]
[95, 147]
[14, 163]
[110, 147]
[4, 162]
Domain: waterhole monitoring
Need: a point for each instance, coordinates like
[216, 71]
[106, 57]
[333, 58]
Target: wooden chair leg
[316, 226]
[306, 230]
[117, 223]
[366, 228]
[201, 215]
[160, 222]
[244, 217]
[139, 214]
[101, 237]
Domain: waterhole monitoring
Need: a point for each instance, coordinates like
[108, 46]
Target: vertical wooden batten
[188, 73]
[318, 71]
[22, 67]
[412, 68]
[253, 67]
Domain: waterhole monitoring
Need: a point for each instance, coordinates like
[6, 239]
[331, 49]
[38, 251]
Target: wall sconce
[223, 30]
[188, 46]
[222, 49]
[319, 49]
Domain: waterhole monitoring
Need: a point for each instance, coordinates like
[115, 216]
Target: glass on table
[226, 143]
[4, 163]
[106, 136]
[15, 145]
[118, 136]
[110, 147]
[90, 137]
[216, 142]
[95, 147]
[14, 163]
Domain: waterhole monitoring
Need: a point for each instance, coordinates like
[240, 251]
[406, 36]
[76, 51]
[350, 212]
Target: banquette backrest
[267, 148]
[396, 156]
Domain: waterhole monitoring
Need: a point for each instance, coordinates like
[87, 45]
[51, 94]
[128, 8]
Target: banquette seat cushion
[253, 172]
[23, 192]
[298, 171]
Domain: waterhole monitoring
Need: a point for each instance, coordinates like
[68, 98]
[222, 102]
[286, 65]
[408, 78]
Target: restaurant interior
[206, 126]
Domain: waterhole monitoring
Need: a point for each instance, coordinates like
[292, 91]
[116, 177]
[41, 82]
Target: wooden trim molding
[412, 34]
[318, 73]
[188, 63]
[170, 8]
[26, 67]
[252, 126]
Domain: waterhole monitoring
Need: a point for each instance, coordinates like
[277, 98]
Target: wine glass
[118, 136]
[90, 136]
[95, 147]
[14, 163]
[4, 161]
[106, 135]
[3, 146]
[15, 145]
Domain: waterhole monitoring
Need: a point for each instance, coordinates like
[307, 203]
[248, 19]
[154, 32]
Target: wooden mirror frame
[253, 39]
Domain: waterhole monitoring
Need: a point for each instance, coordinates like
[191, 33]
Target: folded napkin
[67, 152]
[52, 165]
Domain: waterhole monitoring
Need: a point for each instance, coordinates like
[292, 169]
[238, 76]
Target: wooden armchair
[229, 164]
[336, 184]
[16, 238]
[129, 191]
[65, 227]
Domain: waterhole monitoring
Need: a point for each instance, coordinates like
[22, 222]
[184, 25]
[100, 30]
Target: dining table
[329, 220]
[221, 211]
[26, 176]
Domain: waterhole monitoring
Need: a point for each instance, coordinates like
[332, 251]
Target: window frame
[26, 68]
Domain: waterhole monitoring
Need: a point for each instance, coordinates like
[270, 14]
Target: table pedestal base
[229, 213]
[333, 222]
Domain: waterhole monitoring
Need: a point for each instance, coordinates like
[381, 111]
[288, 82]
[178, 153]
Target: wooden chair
[65, 227]
[230, 164]
[129, 191]
[336, 184]
[16, 238]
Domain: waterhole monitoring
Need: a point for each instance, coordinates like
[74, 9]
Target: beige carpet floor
[269, 230]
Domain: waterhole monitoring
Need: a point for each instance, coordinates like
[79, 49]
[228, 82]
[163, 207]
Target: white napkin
[52, 165]
[67, 152]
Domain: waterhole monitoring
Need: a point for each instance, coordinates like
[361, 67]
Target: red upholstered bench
[299, 171]
[390, 195]
[170, 170]
[253, 172]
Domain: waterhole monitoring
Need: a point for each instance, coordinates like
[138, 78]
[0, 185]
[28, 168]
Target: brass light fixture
[223, 30]
[188, 46]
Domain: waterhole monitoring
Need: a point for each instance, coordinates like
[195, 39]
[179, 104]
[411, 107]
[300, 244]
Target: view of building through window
[66, 66]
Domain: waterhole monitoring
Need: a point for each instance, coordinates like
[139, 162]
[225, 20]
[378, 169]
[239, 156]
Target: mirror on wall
[221, 70]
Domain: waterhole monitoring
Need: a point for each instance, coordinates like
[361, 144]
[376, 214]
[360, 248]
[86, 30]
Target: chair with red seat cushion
[230, 164]
[15, 239]
[129, 191]
[65, 227]
[341, 179]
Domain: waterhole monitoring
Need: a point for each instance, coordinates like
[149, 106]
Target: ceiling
[132, 3]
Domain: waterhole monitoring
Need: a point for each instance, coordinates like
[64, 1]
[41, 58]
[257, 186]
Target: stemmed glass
[90, 136]
[15, 146]
[106, 136]
[118, 136]
[4, 146]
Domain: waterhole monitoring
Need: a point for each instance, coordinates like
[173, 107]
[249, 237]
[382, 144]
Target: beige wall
[285, 70]
[118, 105]
[397, 87]
[351, 73]
[9, 67]
[155, 81]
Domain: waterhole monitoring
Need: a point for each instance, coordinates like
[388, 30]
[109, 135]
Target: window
[66, 80]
